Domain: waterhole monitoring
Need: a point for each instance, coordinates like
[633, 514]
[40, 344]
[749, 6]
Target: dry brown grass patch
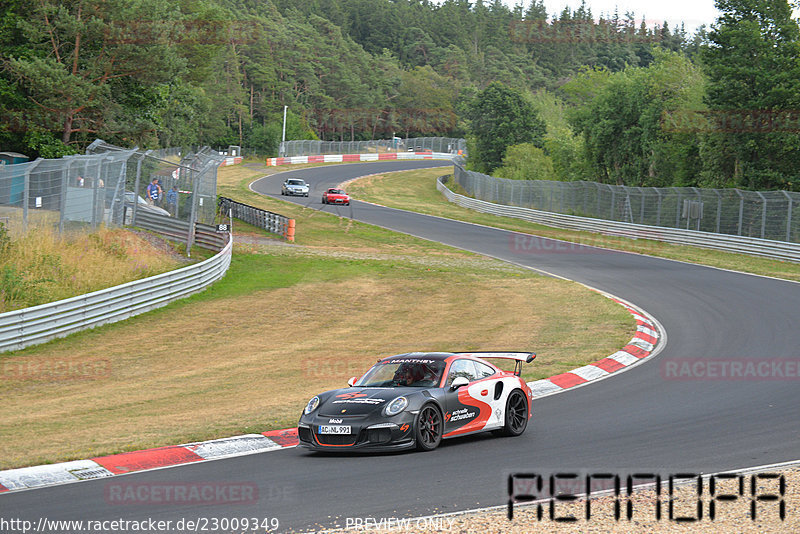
[231, 365]
[41, 265]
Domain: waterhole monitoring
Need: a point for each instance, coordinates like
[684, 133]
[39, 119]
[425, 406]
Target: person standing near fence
[153, 192]
[172, 201]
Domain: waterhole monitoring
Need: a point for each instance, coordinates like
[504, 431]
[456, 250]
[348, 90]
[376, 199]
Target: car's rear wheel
[428, 428]
[516, 414]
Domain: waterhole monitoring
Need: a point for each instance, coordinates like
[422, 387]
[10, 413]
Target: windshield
[335, 192]
[405, 372]
[296, 182]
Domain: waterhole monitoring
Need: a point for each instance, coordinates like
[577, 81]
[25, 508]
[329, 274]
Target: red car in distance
[335, 196]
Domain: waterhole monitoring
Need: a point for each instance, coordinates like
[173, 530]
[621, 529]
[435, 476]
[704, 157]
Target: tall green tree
[81, 51]
[500, 117]
[424, 103]
[752, 61]
[622, 124]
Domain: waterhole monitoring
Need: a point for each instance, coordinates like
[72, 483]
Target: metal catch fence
[773, 215]
[109, 185]
[449, 145]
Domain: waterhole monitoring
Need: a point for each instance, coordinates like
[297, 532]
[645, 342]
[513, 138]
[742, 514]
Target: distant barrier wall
[346, 158]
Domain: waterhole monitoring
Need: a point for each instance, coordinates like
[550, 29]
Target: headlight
[396, 406]
[312, 405]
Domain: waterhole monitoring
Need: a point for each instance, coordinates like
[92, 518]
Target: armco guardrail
[30, 326]
[269, 221]
[780, 250]
[205, 236]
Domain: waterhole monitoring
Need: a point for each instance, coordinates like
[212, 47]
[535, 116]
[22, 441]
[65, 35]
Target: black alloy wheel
[428, 428]
[516, 414]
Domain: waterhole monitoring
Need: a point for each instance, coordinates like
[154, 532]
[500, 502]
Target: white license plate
[334, 430]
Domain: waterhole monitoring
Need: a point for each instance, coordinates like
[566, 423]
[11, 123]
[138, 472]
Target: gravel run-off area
[732, 516]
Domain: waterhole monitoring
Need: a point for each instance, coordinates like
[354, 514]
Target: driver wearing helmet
[407, 374]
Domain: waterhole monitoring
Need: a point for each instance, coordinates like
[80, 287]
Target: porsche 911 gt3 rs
[415, 400]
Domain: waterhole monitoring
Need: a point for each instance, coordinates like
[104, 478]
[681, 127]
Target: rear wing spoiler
[519, 357]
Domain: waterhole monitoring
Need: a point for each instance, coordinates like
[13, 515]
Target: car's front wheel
[428, 428]
[516, 414]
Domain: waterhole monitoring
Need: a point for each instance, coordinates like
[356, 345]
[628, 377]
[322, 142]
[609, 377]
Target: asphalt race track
[641, 420]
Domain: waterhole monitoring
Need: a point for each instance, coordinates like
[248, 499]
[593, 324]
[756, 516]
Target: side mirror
[352, 381]
[458, 382]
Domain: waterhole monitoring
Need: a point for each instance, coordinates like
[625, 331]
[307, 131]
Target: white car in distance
[294, 186]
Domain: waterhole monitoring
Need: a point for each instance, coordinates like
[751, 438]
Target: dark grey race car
[416, 400]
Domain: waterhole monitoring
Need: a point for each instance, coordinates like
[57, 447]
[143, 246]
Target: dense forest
[564, 96]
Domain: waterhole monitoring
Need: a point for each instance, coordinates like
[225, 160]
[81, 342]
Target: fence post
[719, 208]
[741, 209]
[700, 200]
[193, 213]
[102, 175]
[547, 196]
[597, 192]
[114, 213]
[62, 201]
[585, 191]
[613, 202]
[658, 208]
[641, 206]
[763, 215]
[136, 189]
[789, 217]
[26, 192]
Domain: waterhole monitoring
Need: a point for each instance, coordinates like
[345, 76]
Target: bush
[526, 162]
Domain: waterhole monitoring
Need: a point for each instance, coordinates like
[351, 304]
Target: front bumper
[374, 437]
[296, 192]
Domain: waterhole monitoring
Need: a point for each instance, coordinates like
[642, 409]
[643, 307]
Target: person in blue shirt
[172, 201]
[153, 192]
